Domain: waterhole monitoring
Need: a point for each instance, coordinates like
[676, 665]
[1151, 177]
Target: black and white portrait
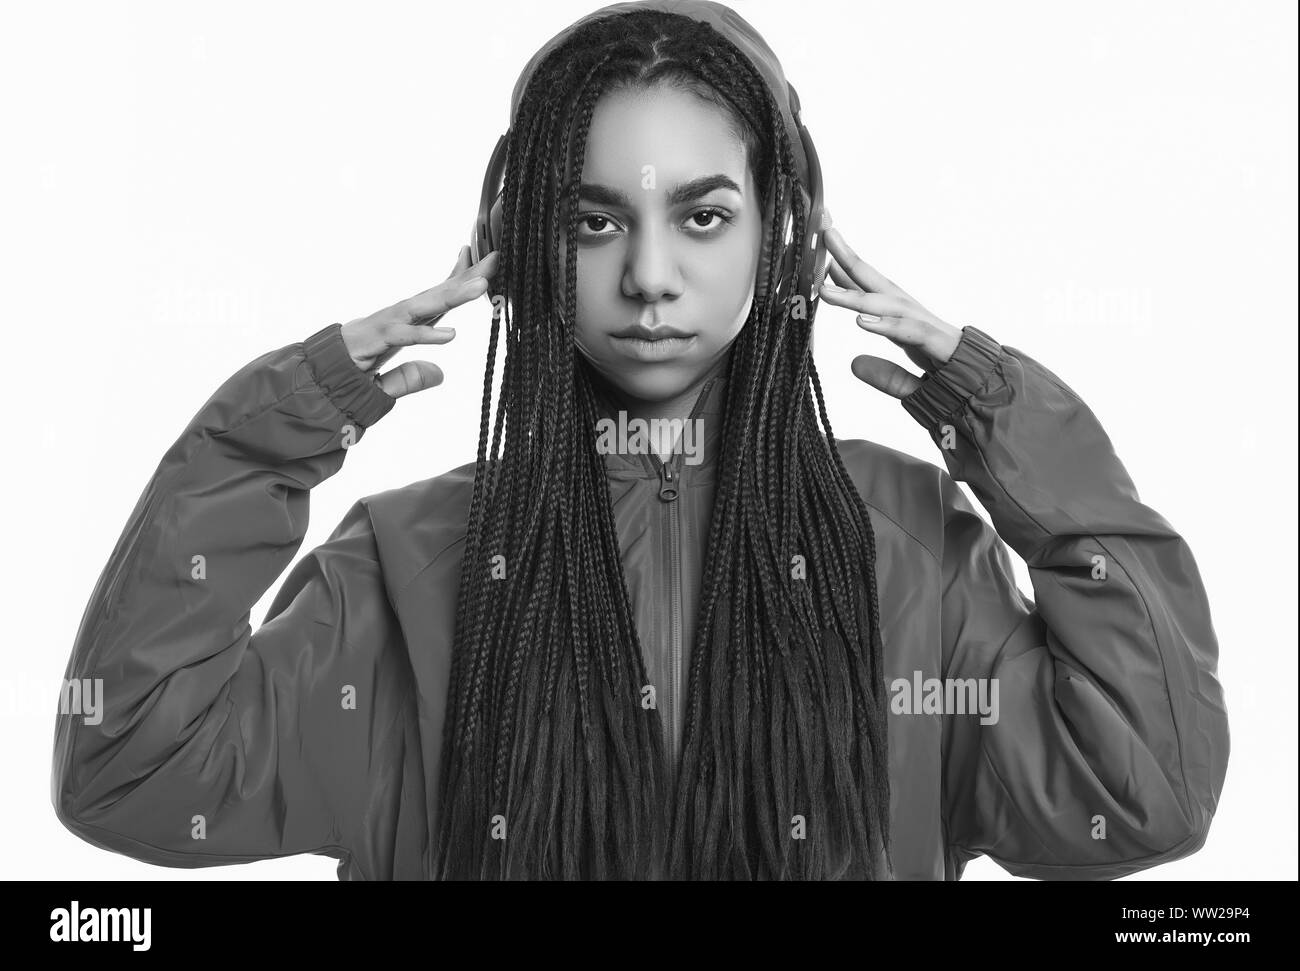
[672, 440]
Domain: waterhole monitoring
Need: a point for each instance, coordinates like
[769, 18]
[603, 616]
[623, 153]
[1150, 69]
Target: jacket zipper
[668, 492]
[670, 481]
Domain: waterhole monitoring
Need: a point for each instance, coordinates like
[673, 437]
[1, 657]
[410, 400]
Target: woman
[794, 657]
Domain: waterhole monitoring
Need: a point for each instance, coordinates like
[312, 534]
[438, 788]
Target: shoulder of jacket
[417, 523]
[907, 492]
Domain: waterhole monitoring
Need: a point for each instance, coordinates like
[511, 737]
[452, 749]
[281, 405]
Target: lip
[644, 333]
[655, 350]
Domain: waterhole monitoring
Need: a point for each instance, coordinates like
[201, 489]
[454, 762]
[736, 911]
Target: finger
[466, 269]
[859, 270]
[410, 377]
[462, 261]
[876, 304]
[842, 278]
[428, 306]
[397, 336]
[884, 375]
[902, 330]
[839, 276]
[919, 338]
[486, 267]
[490, 270]
[404, 335]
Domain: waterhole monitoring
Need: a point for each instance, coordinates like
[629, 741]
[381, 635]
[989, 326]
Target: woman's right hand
[373, 340]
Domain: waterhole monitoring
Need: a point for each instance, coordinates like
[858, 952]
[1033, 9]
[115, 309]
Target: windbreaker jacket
[320, 732]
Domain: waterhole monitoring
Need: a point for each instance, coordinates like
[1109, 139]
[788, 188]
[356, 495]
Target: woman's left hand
[883, 308]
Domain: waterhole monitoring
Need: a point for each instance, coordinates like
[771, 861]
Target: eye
[717, 219]
[590, 225]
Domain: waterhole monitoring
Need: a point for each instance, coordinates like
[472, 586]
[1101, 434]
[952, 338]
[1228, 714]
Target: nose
[651, 271]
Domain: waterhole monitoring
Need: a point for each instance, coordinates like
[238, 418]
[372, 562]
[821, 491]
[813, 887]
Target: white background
[1109, 187]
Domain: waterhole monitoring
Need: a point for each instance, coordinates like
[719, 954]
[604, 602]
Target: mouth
[662, 346]
[651, 334]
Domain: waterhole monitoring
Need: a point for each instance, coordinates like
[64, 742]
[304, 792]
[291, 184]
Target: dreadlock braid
[545, 734]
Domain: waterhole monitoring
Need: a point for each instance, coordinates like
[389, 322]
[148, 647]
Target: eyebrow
[685, 192]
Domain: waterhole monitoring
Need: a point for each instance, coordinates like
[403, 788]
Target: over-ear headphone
[486, 235]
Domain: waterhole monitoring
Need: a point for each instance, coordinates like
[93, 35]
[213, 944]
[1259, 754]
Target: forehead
[679, 133]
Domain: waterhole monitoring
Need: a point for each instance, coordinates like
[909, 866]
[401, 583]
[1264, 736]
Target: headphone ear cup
[494, 225]
[487, 232]
[764, 260]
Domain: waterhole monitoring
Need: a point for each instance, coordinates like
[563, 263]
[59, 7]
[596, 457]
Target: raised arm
[1111, 742]
[216, 744]
[1111, 745]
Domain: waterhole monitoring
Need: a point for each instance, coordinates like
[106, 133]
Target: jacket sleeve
[214, 744]
[1111, 740]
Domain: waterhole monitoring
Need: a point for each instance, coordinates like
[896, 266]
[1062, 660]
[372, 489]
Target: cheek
[743, 314]
[735, 271]
[730, 286]
[740, 315]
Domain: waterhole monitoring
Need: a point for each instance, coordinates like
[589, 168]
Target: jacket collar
[705, 428]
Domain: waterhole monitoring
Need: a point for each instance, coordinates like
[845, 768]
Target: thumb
[884, 375]
[410, 377]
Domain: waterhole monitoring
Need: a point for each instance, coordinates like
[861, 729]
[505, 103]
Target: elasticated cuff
[352, 390]
[945, 390]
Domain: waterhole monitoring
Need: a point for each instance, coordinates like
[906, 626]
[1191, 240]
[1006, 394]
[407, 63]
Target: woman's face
[668, 236]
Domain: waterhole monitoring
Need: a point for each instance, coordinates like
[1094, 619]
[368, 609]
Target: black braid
[785, 706]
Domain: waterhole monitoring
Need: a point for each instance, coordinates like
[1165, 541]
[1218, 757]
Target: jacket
[320, 732]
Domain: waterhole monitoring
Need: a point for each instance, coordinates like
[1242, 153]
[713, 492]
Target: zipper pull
[667, 482]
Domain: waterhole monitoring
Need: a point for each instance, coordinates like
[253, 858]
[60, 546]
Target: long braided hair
[551, 766]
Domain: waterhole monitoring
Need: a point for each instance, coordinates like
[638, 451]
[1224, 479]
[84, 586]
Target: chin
[654, 382]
